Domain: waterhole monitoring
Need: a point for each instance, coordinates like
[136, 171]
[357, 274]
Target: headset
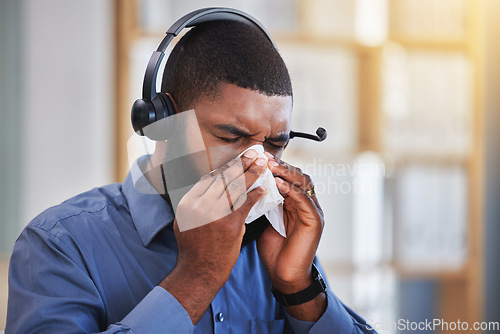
[154, 105]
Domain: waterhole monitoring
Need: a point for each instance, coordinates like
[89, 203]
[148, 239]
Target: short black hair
[218, 52]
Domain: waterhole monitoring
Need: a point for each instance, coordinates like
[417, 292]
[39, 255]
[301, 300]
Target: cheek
[218, 153]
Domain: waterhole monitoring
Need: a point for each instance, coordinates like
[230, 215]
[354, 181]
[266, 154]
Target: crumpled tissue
[271, 205]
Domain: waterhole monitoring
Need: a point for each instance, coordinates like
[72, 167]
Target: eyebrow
[229, 128]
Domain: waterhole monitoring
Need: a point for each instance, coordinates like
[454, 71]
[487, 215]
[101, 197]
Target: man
[114, 259]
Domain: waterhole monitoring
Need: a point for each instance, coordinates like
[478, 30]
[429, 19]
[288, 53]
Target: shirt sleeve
[51, 292]
[158, 312]
[337, 318]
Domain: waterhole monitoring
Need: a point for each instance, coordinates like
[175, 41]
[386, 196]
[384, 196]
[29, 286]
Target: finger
[245, 202]
[290, 173]
[248, 162]
[208, 180]
[305, 203]
[242, 183]
[214, 181]
[233, 169]
[205, 182]
[283, 194]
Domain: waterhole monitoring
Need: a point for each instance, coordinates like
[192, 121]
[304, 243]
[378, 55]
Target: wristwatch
[301, 297]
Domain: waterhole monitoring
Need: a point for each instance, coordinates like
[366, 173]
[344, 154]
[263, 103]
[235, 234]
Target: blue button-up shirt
[93, 263]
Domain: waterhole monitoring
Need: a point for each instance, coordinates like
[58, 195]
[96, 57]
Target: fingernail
[261, 162]
[264, 188]
[250, 154]
[273, 164]
[280, 180]
[269, 155]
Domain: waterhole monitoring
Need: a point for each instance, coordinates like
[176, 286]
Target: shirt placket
[220, 313]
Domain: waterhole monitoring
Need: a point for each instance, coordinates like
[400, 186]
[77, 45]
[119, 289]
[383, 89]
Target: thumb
[245, 203]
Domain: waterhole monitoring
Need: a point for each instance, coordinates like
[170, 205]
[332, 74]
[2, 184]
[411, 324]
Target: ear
[176, 107]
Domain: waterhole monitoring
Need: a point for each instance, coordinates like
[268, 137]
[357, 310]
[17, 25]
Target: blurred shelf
[400, 159]
[440, 275]
[430, 44]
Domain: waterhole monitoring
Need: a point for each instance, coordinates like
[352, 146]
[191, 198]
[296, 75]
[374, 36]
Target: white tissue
[271, 205]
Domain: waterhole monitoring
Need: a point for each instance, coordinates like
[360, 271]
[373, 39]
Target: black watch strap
[301, 297]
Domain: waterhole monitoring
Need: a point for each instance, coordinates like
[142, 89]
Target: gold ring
[311, 192]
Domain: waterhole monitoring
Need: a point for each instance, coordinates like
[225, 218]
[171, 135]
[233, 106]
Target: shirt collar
[149, 210]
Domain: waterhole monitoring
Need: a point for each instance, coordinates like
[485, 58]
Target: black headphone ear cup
[168, 104]
[143, 113]
[146, 112]
[162, 107]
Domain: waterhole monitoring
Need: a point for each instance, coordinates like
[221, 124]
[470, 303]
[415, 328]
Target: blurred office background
[409, 177]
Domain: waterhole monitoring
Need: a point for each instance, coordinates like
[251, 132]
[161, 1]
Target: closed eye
[229, 140]
[277, 147]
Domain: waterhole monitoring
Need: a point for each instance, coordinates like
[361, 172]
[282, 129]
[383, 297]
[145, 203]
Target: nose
[257, 147]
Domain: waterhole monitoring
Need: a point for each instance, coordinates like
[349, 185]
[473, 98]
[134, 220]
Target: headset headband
[190, 20]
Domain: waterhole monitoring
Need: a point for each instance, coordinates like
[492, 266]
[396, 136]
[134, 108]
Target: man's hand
[289, 260]
[212, 217]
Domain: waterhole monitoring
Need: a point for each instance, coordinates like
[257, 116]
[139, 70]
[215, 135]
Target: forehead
[246, 108]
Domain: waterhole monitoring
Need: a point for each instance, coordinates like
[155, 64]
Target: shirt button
[220, 317]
